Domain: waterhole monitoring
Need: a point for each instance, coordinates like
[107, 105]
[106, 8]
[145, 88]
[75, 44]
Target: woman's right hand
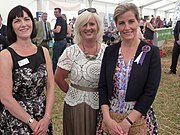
[113, 127]
[33, 126]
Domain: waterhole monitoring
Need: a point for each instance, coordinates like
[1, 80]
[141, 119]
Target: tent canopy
[163, 8]
[164, 5]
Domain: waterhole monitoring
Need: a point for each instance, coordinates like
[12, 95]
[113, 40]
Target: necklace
[88, 56]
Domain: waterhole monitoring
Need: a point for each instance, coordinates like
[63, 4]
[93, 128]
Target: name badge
[23, 62]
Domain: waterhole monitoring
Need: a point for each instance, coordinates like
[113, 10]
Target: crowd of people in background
[102, 66]
[46, 36]
[147, 27]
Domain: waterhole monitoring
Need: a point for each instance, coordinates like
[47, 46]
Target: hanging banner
[164, 33]
[64, 5]
[161, 35]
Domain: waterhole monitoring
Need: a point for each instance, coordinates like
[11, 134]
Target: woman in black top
[149, 31]
[25, 72]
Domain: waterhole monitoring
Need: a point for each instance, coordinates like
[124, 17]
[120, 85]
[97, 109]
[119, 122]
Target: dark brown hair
[58, 9]
[18, 12]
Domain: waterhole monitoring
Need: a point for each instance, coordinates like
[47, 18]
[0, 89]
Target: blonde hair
[81, 20]
[123, 8]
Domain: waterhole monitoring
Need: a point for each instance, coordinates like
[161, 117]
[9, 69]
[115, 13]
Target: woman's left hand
[42, 126]
[125, 125]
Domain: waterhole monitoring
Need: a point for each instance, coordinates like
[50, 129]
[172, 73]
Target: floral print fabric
[117, 102]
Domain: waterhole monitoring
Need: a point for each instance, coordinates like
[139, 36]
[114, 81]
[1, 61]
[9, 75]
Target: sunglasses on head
[92, 10]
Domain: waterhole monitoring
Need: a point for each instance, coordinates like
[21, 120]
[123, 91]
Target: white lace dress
[83, 73]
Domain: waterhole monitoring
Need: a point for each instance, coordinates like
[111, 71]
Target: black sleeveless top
[29, 80]
[35, 60]
[148, 34]
[27, 72]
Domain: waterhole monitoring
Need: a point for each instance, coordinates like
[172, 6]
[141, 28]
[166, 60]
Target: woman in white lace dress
[81, 63]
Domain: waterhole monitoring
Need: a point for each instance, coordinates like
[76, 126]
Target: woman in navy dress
[129, 79]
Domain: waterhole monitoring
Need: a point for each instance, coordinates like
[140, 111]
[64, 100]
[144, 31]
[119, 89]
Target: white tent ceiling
[164, 8]
[164, 5]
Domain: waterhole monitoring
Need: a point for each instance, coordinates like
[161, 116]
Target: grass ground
[166, 104]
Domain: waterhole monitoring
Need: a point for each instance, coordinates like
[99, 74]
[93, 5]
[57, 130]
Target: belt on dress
[84, 88]
[45, 40]
[59, 39]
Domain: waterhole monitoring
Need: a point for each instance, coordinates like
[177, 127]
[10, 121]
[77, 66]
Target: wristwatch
[31, 120]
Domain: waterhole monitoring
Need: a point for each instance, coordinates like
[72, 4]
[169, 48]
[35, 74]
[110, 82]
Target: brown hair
[123, 8]
[18, 12]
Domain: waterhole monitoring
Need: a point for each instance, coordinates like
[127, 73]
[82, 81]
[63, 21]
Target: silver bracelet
[31, 120]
